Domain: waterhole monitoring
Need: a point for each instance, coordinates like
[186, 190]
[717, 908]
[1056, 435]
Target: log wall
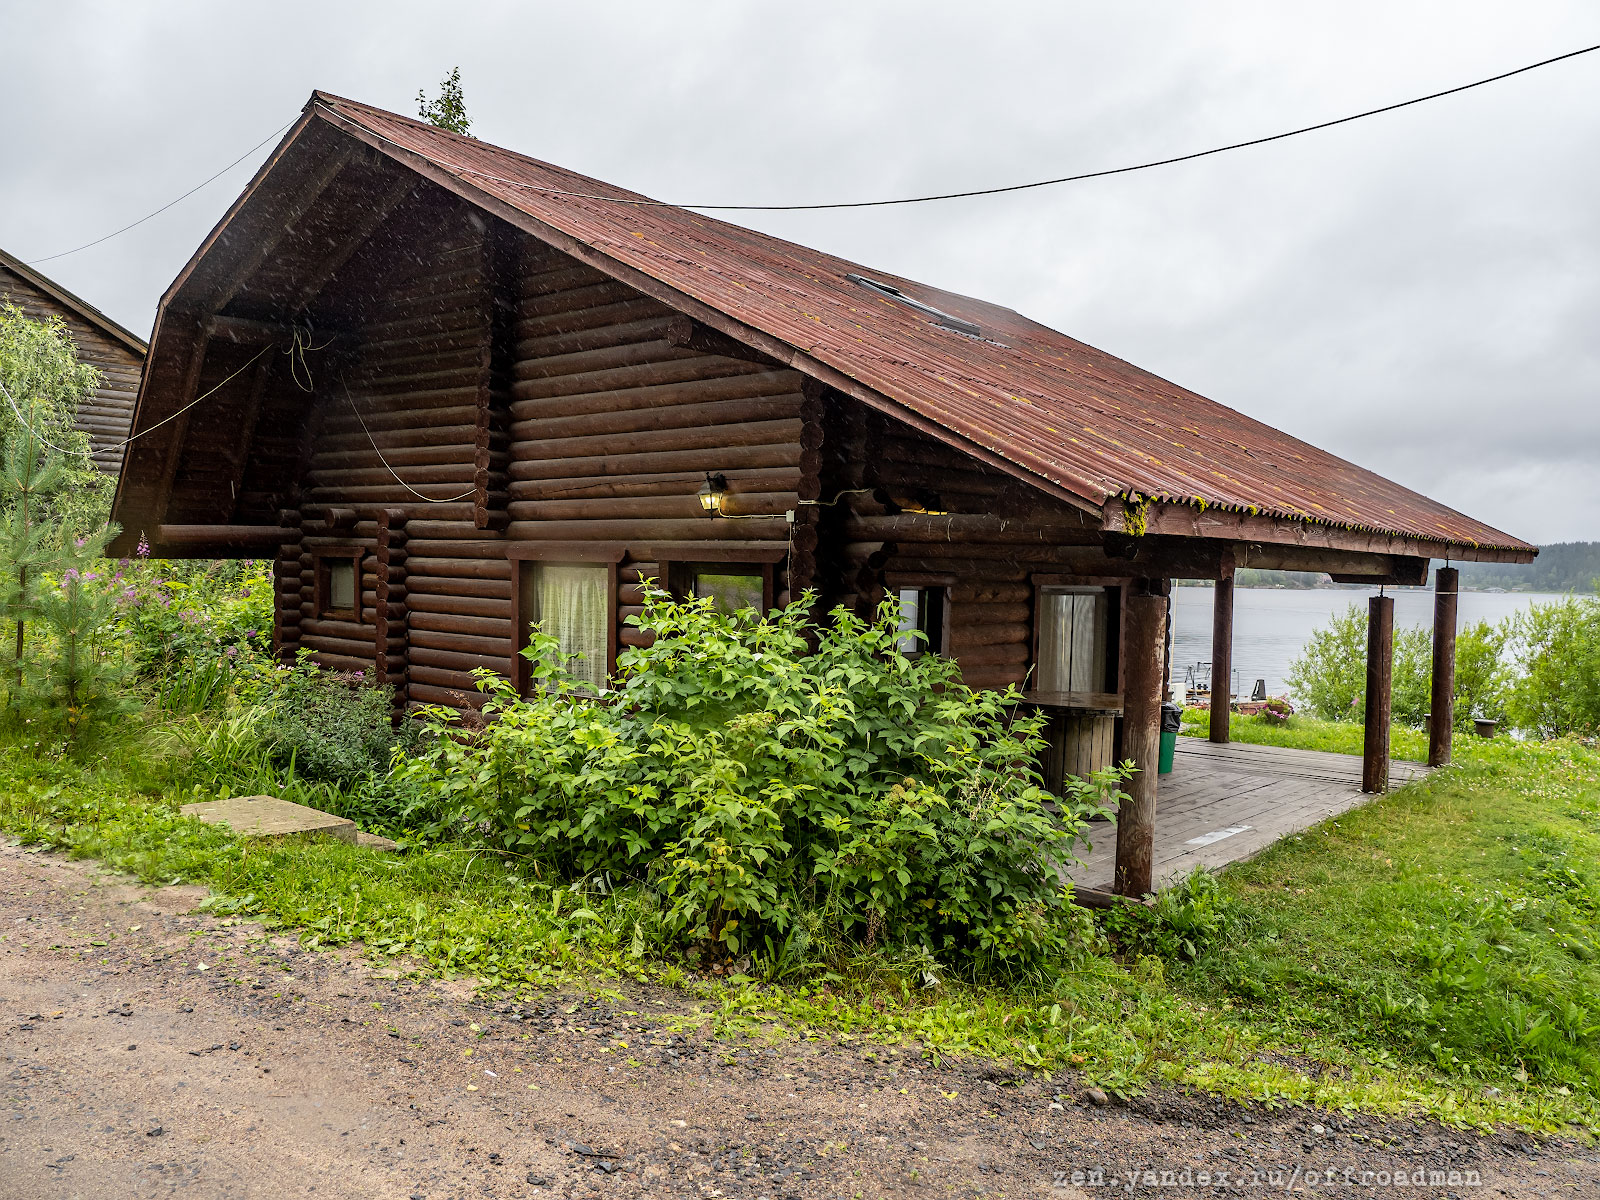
[984, 537]
[107, 414]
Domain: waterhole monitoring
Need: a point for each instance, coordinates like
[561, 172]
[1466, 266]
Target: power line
[1019, 187]
[33, 262]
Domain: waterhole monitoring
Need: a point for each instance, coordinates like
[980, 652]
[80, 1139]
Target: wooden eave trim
[1187, 521]
[706, 314]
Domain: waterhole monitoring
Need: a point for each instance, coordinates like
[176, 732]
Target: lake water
[1271, 625]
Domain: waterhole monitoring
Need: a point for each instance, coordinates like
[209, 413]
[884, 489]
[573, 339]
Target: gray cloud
[1417, 292]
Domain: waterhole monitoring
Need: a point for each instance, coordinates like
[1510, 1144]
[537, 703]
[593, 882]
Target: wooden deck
[1222, 804]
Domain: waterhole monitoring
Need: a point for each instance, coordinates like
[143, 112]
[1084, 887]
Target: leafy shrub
[1329, 678]
[193, 629]
[327, 726]
[1482, 676]
[1184, 922]
[750, 778]
[1556, 650]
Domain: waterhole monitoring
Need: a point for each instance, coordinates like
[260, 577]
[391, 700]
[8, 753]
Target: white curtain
[1072, 644]
[569, 602]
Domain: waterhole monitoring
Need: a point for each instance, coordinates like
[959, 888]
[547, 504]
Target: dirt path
[150, 1051]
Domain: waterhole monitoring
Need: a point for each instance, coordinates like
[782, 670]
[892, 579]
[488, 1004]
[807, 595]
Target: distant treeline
[1564, 567]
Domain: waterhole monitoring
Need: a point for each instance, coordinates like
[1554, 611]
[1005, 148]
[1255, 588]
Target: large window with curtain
[571, 601]
[1073, 632]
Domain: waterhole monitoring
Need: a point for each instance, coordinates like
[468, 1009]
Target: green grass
[1429, 954]
[1309, 733]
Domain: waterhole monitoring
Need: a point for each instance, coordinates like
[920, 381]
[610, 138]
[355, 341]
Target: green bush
[1555, 649]
[751, 771]
[192, 630]
[1329, 678]
[325, 726]
[1482, 677]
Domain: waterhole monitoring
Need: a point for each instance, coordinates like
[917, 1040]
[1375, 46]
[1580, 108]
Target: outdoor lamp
[713, 494]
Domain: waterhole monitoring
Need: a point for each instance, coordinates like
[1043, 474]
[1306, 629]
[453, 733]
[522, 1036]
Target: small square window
[339, 586]
[921, 611]
[730, 588]
[342, 585]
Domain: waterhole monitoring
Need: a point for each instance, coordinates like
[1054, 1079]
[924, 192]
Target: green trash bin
[1171, 721]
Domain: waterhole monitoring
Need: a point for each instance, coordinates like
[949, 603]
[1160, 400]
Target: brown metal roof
[1075, 417]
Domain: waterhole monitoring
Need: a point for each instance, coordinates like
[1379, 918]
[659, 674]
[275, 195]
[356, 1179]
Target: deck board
[1273, 790]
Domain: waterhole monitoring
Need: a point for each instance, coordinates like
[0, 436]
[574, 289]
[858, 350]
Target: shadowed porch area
[1224, 803]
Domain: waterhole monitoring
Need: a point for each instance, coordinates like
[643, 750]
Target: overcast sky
[1419, 292]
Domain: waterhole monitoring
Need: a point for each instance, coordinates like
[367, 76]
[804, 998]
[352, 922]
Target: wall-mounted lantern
[714, 495]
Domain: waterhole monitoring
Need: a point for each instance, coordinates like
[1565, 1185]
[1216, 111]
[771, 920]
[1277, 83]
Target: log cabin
[451, 390]
[118, 355]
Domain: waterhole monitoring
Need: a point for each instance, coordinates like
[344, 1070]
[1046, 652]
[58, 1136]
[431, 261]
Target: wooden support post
[1380, 670]
[1441, 725]
[1221, 659]
[1144, 618]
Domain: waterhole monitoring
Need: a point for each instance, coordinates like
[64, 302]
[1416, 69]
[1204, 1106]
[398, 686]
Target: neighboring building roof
[76, 303]
[102, 343]
[1073, 416]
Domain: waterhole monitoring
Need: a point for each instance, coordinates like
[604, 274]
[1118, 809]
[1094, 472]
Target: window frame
[324, 557]
[522, 553]
[680, 575]
[895, 582]
[1114, 587]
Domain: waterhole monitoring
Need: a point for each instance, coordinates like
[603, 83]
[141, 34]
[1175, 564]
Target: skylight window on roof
[938, 316]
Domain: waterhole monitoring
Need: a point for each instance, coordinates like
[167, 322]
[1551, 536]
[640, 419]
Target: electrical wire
[126, 442]
[385, 461]
[33, 262]
[1015, 187]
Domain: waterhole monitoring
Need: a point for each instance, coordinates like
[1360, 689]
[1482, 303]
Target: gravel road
[150, 1051]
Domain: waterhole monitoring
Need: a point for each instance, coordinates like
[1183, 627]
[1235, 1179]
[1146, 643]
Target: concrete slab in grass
[268, 816]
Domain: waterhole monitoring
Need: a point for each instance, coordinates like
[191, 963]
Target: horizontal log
[601, 358]
[669, 483]
[687, 507]
[638, 638]
[647, 389]
[995, 678]
[335, 661]
[996, 655]
[576, 341]
[497, 586]
[471, 606]
[533, 329]
[348, 647]
[749, 433]
[242, 536]
[974, 592]
[426, 660]
[443, 556]
[990, 614]
[490, 627]
[964, 637]
[621, 420]
[425, 693]
[563, 275]
[637, 531]
[439, 646]
[584, 296]
[699, 460]
[437, 677]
